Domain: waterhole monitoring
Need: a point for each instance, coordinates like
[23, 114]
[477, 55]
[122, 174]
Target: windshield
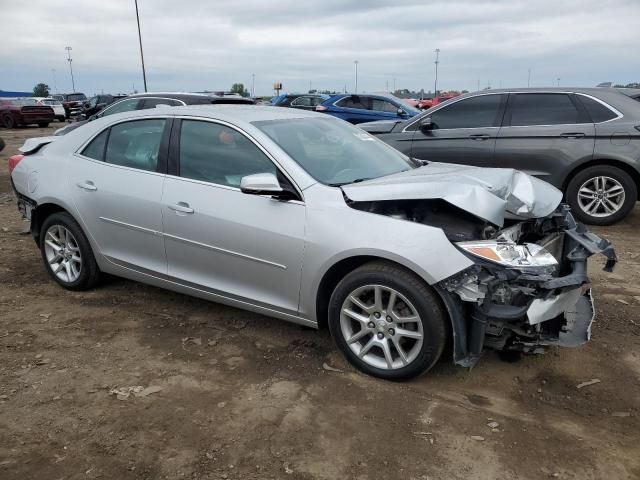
[334, 152]
[74, 97]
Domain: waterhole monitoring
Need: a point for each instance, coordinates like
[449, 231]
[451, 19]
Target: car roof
[232, 113]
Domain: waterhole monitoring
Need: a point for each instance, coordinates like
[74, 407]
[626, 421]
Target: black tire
[89, 272]
[43, 124]
[8, 121]
[622, 177]
[426, 302]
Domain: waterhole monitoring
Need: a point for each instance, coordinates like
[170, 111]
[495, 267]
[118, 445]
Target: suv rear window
[597, 111]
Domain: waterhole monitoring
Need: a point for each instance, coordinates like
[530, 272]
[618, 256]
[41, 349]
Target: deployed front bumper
[507, 309]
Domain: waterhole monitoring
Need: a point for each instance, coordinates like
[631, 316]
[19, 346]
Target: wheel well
[39, 215]
[632, 172]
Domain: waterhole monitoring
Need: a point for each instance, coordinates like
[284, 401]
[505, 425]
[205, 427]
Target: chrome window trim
[605, 104]
[116, 103]
[252, 140]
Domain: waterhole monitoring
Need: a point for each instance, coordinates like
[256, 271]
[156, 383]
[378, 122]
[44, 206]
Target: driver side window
[218, 154]
[475, 112]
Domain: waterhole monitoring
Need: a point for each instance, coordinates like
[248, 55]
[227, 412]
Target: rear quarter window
[597, 111]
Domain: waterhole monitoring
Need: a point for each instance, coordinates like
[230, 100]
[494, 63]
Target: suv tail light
[321, 108]
[13, 162]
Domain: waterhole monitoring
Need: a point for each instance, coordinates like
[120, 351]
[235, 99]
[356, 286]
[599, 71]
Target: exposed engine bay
[528, 287]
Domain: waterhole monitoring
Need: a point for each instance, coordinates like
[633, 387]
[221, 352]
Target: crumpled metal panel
[488, 193]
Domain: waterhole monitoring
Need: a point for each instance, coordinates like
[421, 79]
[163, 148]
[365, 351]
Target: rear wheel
[43, 124]
[67, 254]
[601, 195]
[387, 321]
[8, 121]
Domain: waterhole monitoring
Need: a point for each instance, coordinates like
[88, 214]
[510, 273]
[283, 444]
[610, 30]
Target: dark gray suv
[586, 141]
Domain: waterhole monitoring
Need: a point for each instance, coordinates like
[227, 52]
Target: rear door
[116, 180]
[245, 247]
[462, 132]
[544, 134]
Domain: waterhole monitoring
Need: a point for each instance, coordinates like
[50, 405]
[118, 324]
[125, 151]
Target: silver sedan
[306, 218]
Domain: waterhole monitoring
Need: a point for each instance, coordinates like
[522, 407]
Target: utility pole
[55, 84]
[144, 74]
[558, 81]
[253, 85]
[69, 59]
[355, 63]
[529, 79]
[394, 85]
[435, 85]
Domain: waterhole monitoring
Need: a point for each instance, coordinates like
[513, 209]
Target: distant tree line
[628, 85]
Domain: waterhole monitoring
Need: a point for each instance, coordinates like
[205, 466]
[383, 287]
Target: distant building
[4, 93]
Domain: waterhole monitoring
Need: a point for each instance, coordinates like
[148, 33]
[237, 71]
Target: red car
[15, 112]
[431, 102]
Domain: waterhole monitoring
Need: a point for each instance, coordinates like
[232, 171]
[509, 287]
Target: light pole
[55, 84]
[73, 83]
[435, 85]
[355, 63]
[144, 74]
[558, 81]
[394, 85]
[529, 79]
[253, 85]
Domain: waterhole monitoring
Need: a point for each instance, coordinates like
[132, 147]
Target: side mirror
[400, 112]
[260, 184]
[426, 124]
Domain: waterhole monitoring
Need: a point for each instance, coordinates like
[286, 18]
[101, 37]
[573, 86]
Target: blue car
[361, 108]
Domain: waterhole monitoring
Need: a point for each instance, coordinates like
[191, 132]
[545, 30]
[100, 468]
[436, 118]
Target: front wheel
[387, 321]
[601, 195]
[43, 124]
[67, 254]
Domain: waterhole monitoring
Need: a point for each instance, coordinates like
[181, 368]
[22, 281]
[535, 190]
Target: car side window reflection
[95, 149]
[135, 144]
[218, 154]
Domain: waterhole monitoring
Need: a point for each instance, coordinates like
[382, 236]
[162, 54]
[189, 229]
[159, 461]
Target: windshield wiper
[357, 180]
[419, 162]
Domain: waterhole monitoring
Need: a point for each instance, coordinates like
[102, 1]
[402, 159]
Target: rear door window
[95, 149]
[475, 112]
[135, 144]
[543, 109]
[123, 106]
[381, 105]
[154, 102]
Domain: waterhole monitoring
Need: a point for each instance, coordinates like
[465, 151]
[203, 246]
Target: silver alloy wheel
[381, 327]
[63, 253]
[601, 196]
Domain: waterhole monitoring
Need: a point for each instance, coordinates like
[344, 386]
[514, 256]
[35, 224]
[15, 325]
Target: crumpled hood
[488, 193]
[381, 126]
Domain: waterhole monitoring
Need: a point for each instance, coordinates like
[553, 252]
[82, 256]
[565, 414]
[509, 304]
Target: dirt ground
[242, 396]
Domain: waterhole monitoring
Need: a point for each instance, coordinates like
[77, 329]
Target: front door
[462, 132]
[241, 246]
[117, 190]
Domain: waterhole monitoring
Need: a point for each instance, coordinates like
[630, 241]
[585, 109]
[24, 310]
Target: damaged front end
[528, 287]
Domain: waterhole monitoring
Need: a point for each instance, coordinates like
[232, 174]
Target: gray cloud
[200, 44]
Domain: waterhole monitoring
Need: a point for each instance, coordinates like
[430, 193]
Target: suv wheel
[67, 254]
[8, 121]
[601, 195]
[387, 321]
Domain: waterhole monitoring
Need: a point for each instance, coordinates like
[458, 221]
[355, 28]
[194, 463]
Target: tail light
[321, 108]
[13, 162]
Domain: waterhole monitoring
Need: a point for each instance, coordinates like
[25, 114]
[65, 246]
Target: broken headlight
[528, 256]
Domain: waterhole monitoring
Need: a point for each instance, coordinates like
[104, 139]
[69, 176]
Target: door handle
[181, 207]
[88, 185]
[572, 135]
[480, 136]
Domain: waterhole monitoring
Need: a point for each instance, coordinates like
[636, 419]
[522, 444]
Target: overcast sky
[192, 45]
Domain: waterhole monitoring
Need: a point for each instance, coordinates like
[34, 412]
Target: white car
[58, 109]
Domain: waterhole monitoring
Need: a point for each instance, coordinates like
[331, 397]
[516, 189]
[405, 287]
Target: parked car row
[310, 219]
[72, 102]
[143, 101]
